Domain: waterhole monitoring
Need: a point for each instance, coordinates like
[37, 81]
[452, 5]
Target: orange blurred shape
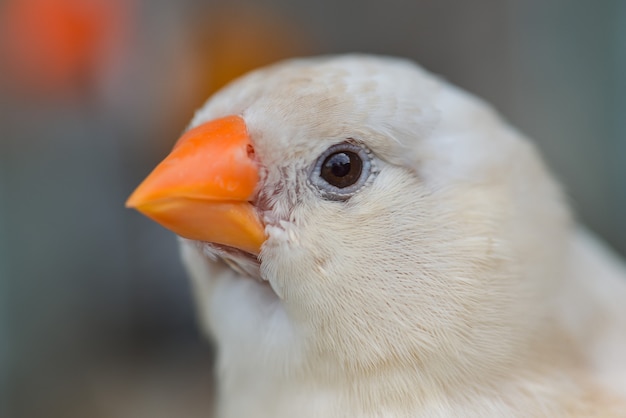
[54, 46]
[235, 40]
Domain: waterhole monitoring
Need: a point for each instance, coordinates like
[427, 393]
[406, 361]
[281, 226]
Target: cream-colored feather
[453, 284]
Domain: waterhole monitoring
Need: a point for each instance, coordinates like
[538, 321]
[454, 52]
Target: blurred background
[96, 318]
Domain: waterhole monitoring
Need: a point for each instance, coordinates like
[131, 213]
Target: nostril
[250, 151]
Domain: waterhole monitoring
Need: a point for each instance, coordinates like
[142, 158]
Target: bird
[365, 239]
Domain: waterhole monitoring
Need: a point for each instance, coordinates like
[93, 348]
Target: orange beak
[202, 189]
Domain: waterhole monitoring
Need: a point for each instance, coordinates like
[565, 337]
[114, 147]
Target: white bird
[366, 240]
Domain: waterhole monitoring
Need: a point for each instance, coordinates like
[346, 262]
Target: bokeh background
[96, 318]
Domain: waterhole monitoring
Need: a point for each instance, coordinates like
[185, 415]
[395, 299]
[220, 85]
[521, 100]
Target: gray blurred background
[96, 318]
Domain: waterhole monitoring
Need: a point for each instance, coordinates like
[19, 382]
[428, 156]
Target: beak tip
[135, 200]
[131, 202]
[139, 197]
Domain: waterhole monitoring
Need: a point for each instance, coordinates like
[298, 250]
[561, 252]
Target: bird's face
[378, 215]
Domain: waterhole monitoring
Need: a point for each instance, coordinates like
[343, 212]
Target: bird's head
[383, 218]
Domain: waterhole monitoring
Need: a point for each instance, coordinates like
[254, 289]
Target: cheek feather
[402, 263]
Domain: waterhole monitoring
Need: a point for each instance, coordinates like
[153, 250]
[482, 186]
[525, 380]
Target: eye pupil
[342, 169]
[339, 164]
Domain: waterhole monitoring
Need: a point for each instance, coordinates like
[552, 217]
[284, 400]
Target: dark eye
[342, 170]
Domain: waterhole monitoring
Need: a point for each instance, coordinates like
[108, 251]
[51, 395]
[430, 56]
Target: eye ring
[342, 170]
